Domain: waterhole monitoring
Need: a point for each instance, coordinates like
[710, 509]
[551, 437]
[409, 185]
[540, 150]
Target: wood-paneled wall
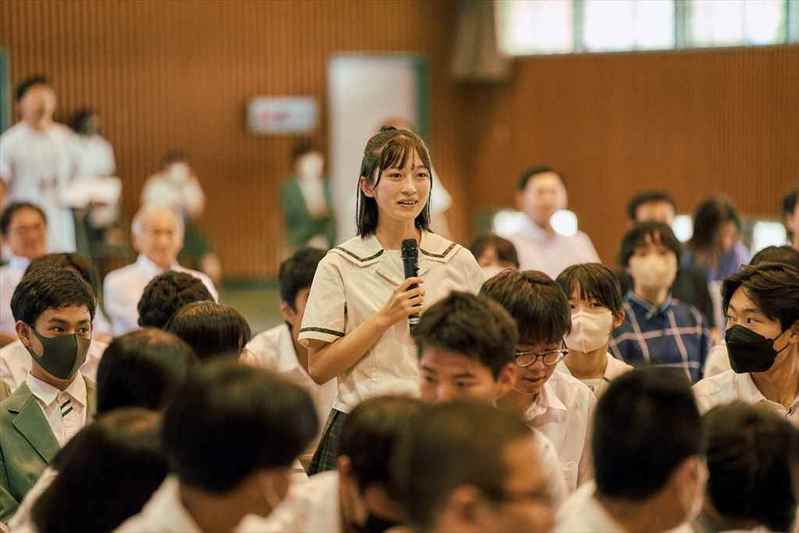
[695, 123]
[177, 73]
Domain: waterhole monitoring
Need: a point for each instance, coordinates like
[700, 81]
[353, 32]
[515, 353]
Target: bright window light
[564, 222]
[768, 233]
[764, 21]
[535, 26]
[683, 227]
[628, 24]
[736, 22]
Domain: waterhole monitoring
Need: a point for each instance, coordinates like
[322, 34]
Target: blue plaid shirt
[672, 335]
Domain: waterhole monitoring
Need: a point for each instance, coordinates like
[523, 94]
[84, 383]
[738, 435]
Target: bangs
[399, 149]
[592, 281]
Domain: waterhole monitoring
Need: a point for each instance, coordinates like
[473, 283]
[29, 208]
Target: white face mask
[590, 330]
[310, 165]
[179, 172]
[653, 272]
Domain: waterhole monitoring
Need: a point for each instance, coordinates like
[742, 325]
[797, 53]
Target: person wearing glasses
[555, 403]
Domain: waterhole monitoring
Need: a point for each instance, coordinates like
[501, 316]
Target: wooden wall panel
[167, 73]
[695, 123]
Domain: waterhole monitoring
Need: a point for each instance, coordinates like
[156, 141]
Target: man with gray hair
[158, 237]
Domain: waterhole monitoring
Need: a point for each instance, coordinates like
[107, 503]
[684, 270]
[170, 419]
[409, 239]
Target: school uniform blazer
[27, 444]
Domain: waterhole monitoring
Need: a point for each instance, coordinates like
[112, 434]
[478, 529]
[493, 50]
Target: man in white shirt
[231, 434]
[158, 236]
[540, 193]
[23, 228]
[36, 163]
[54, 309]
[555, 403]
[647, 448]
[278, 348]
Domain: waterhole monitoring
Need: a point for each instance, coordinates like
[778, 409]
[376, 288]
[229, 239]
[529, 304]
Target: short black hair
[303, 146]
[297, 272]
[708, 218]
[773, 287]
[533, 171]
[229, 420]
[106, 474]
[450, 445]
[78, 263]
[167, 293]
[505, 249]
[142, 368]
[537, 304]
[370, 435]
[749, 452]
[777, 254]
[174, 155]
[645, 425]
[789, 203]
[50, 288]
[389, 148]
[79, 120]
[593, 281]
[7, 216]
[474, 326]
[29, 83]
[637, 235]
[648, 197]
[211, 329]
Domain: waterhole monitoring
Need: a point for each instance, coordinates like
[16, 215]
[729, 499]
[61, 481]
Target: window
[735, 22]
[627, 25]
[535, 27]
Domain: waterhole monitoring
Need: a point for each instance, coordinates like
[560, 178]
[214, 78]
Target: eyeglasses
[549, 357]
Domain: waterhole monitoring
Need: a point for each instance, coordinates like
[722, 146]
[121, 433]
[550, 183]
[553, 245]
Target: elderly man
[158, 237]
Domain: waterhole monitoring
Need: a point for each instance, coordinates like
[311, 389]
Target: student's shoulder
[14, 134]
[438, 248]
[715, 385]
[570, 389]
[120, 274]
[687, 311]
[358, 252]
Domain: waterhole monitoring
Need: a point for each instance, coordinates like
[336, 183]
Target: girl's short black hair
[593, 281]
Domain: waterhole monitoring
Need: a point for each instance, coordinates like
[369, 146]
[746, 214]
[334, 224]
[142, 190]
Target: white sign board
[269, 115]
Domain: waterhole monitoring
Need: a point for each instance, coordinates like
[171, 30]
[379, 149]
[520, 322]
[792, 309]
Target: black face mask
[750, 351]
[63, 355]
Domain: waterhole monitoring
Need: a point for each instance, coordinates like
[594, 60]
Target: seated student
[230, 434]
[360, 494]
[467, 467]
[658, 329]
[279, 349]
[595, 302]
[23, 231]
[211, 329]
[749, 460]
[718, 360]
[166, 294]
[762, 307]
[647, 449]
[158, 237]
[143, 368]
[15, 361]
[556, 404]
[54, 309]
[95, 490]
[690, 286]
[494, 253]
[466, 346]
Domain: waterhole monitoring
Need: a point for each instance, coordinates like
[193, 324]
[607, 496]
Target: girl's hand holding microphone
[406, 300]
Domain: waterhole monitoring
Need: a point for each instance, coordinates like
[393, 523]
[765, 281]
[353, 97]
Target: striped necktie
[66, 406]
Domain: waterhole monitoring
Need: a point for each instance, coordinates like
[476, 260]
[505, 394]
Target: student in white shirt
[554, 403]
[278, 349]
[540, 193]
[356, 319]
[360, 495]
[761, 303]
[158, 236]
[596, 308]
[23, 228]
[35, 160]
[231, 434]
[469, 467]
[750, 458]
[647, 449]
[54, 309]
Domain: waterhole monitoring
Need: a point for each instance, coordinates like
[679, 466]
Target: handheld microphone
[410, 263]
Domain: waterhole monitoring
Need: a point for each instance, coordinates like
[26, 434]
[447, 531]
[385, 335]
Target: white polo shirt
[123, 289]
[551, 253]
[49, 398]
[729, 386]
[353, 282]
[10, 276]
[163, 513]
[615, 368]
[718, 361]
[563, 411]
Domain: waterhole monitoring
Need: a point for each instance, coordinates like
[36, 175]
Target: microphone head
[409, 248]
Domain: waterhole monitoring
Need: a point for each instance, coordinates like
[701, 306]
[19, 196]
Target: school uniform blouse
[353, 282]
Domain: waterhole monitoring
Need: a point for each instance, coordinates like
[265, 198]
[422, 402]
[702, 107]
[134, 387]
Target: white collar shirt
[163, 513]
[582, 513]
[50, 400]
[551, 253]
[353, 282]
[10, 276]
[124, 287]
[550, 463]
[615, 368]
[718, 361]
[563, 411]
[181, 195]
[729, 386]
[15, 362]
[311, 506]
